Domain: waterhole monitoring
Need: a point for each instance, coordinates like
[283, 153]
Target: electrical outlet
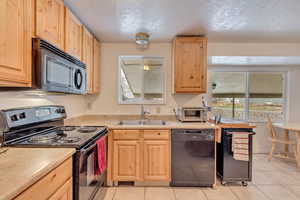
[157, 110]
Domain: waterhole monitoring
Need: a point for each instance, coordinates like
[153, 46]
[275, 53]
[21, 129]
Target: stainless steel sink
[142, 122]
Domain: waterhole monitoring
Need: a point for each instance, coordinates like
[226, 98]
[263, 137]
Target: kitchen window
[251, 96]
[141, 80]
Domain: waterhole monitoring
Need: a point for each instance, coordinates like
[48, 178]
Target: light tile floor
[275, 180]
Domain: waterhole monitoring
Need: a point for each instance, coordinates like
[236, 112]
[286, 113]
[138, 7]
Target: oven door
[89, 180]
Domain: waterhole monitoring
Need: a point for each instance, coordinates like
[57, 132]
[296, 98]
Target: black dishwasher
[229, 169]
[193, 157]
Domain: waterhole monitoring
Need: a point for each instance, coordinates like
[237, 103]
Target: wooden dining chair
[279, 141]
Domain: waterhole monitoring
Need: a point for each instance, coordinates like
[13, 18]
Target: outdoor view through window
[249, 96]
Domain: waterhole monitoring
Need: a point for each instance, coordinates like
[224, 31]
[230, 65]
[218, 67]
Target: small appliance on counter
[57, 71]
[43, 127]
[192, 114]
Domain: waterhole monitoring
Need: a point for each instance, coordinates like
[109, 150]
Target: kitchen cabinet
[156, 160]
[50, 21]
[73, 34]
[55, 185]
[127, 159]
[190, 64]
[139, 155]
[96, 67]
[87, 57]
[15, 39]
[63, 193]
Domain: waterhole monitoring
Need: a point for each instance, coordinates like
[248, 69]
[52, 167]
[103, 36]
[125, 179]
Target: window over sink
[141, 80]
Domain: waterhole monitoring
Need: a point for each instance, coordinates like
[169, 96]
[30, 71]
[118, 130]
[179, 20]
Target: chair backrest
[272, 131]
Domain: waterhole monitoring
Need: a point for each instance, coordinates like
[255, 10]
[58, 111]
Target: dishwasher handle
[231, 133]
[193, 131]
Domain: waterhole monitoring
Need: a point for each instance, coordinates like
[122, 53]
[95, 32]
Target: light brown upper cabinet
[15, 42]
[73, 34]
[50, 21]
[87, 57]
[97, 66]
[190, 64]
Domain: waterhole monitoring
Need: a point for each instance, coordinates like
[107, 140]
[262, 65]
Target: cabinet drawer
[156, 134]
[126, 134]
[47, 185]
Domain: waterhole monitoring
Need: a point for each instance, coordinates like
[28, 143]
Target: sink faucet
[143, 113]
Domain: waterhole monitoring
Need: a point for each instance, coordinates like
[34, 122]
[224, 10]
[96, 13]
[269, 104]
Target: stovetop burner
[67, 128]
[67, 140]
[43, 138]
[68, 136]
[87, 129]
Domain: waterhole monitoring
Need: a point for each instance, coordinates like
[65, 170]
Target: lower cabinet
[56, 185]
[63, 193]
[156, 160]
[127, 160]
[139, 155]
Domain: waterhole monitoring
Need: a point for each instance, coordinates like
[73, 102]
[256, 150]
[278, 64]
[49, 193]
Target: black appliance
[43, 127]
[229, 169]
[193, 157]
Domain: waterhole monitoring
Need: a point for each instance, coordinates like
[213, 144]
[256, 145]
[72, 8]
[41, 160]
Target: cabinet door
[157, 160]
[15, 42]
[64, 192]
[87, 57]
[97, 66]
[73, 35]
[190, 62]
[50, 21]
[127, 161]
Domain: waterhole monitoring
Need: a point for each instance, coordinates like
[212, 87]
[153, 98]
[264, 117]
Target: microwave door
[58, 75]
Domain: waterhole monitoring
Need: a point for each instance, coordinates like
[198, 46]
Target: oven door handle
[88, 148]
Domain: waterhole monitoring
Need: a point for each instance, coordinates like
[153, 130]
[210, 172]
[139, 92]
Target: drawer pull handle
[53, 177]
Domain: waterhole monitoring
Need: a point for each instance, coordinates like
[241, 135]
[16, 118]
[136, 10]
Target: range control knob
[22, 115]
[60, 110]
[14, 118]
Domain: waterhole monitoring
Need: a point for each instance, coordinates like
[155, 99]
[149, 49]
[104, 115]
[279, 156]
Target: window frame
[247, 92]
[142, 101]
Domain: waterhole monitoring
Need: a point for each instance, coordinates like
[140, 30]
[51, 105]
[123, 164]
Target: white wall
[107, 101]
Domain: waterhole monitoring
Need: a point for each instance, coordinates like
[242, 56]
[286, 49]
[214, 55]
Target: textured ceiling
[220, 20]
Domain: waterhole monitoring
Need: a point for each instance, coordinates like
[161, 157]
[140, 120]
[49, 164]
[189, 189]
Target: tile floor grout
[273, 180]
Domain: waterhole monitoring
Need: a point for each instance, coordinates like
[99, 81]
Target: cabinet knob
[191, 77]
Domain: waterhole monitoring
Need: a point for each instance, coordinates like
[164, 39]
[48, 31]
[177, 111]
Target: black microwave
[57, 71]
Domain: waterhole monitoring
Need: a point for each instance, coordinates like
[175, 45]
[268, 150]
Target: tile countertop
[112, 122]
[21, 167]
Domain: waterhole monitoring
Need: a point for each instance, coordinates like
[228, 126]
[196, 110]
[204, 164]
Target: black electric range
[57, 136]
[43, 127]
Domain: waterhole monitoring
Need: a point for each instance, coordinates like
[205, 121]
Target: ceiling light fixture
[142, 40]
[146, 67]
